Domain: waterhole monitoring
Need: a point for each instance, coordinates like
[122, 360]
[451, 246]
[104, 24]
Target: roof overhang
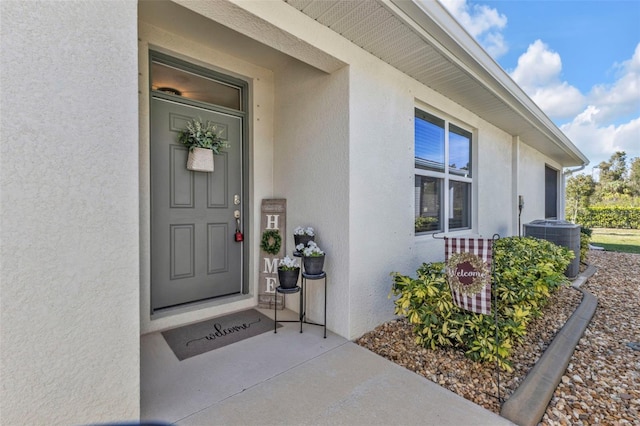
[424, 41]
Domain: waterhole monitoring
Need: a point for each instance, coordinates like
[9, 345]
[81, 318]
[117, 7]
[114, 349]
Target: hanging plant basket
[200, 160]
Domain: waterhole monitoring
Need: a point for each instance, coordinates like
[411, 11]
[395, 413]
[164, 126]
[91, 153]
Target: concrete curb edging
[529, 402]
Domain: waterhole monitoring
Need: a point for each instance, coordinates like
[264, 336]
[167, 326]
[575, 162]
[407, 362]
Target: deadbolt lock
[236, 199]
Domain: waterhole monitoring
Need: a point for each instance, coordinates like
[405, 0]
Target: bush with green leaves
[527, 270]
[609, 217]
[585, 239]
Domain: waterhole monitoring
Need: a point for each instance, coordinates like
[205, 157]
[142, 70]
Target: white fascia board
[461, 48]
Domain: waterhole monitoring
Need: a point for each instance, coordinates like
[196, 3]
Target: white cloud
[482, 22]
[598, 143]
[622, 97]
[604, 121]
[538, 74]
[596, 130]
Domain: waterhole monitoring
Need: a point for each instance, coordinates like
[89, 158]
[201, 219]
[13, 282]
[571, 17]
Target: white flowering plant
[199, 134]
[311, 250]
[304, 231]
[288, 264]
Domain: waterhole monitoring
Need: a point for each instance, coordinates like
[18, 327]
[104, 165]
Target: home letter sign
[273, 217]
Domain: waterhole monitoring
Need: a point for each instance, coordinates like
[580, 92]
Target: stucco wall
[380, 166]
[311, 170]
[69, 309]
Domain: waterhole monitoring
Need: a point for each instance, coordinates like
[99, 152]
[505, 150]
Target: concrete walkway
[290, 378]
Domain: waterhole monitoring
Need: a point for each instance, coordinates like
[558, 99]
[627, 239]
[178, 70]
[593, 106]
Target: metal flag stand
[494, 291]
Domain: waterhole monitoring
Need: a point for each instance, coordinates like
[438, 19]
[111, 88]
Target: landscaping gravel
[602, 382]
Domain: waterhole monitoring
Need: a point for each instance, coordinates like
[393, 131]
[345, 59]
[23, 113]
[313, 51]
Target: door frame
[243, 85]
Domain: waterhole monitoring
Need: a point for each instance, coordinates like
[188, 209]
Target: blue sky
[579, 60]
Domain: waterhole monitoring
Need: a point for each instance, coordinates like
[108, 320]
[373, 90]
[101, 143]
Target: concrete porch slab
[291, 378]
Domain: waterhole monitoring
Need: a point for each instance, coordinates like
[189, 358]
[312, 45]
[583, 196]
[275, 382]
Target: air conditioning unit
[561, 233]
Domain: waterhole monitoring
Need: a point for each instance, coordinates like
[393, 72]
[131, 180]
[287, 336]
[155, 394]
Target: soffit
[431, 47]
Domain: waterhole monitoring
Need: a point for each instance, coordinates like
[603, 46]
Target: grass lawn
[621, 240]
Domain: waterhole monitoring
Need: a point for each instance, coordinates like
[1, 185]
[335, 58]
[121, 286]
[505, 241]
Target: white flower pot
[200, 160]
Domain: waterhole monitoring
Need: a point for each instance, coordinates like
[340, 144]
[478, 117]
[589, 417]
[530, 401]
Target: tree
[579, 190]
[634, 177]
[612, 185]
[615, 169]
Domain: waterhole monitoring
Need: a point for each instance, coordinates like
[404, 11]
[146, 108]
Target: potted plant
[203, 140]
[312, 258]
[303, 235]
[288, 272]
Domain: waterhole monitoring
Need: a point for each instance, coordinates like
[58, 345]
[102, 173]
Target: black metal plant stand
[303, 302]
[275, 307]
[305, 277]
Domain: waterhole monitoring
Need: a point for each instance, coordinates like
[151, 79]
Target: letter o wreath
[478, 282]
[271, 241]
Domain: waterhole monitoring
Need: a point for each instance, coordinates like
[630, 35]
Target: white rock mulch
[602, 382]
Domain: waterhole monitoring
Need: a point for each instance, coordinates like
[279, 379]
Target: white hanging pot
[200, 160]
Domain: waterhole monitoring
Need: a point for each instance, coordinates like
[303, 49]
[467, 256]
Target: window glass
[550, 193]
[429, 142]
[442, 182]
[459, 205]
[167, 79]
[459, 151]
[428, 200]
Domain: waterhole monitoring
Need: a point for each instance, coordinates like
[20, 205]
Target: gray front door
[193, 253]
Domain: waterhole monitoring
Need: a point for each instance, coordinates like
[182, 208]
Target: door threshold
[196, 306]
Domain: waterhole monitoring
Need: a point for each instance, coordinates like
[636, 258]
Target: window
[550, 193]
[172, 77]
[443, 175]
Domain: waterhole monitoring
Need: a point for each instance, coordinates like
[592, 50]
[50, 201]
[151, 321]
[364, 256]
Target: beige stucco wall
[69, 288]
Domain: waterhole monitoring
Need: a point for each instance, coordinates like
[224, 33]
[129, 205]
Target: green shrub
[526, 271]
[609, 217]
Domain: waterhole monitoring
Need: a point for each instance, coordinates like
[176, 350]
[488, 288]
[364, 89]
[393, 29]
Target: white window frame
[447, 177]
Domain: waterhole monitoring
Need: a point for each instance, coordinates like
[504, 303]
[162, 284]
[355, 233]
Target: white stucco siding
[493, 174]
[380, 176]
[380, 199]
[311, 170]
[69, 307]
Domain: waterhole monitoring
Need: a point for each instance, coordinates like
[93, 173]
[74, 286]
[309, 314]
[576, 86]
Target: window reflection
[177, 82]
[428, 200]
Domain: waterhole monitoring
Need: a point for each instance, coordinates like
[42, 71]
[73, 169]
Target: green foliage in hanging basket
[271, 241]
[199, 134]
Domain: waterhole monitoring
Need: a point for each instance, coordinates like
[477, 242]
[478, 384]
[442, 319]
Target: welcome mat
[201, 337]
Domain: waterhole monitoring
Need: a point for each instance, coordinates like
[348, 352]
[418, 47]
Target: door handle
[238, 236]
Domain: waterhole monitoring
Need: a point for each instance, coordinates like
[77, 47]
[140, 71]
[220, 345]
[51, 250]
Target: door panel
[193, 254]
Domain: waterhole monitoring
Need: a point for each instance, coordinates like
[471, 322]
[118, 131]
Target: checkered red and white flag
[469, 272]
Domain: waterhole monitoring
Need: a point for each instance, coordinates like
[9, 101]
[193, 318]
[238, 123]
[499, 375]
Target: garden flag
[468, 264]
